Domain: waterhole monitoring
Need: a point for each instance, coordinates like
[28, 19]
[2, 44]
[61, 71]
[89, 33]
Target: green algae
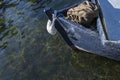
[30, 53]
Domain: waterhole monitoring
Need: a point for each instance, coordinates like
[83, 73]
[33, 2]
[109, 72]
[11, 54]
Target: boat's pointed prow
[49, 13]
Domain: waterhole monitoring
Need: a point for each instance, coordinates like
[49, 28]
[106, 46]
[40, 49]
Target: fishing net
[85, 14]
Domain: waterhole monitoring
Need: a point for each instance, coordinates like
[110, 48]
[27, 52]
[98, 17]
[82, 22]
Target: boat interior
[83, 14]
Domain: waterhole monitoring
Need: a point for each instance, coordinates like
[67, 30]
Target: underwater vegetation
[28, 52]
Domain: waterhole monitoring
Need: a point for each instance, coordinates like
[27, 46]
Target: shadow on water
[28, 52]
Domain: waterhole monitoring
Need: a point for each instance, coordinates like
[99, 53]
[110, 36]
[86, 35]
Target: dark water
[28, 52]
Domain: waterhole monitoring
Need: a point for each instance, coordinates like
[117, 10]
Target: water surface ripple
[28, 52]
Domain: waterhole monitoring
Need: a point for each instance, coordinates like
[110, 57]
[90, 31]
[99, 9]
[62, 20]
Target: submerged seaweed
[28, 52]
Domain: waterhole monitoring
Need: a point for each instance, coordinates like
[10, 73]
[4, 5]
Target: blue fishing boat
[104, 41]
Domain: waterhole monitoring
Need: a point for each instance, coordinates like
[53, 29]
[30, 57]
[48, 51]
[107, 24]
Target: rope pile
[84, 14]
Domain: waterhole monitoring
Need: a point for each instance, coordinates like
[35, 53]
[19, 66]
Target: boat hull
[80, 38]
